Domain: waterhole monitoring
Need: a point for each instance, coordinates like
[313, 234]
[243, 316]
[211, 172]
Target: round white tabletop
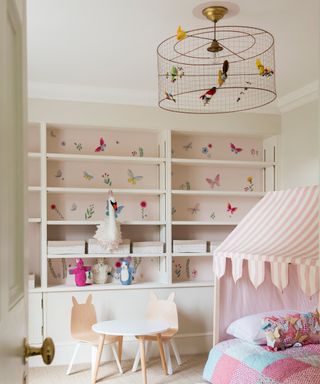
[130, 327]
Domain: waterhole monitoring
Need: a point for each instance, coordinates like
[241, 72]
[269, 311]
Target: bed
[238, 362]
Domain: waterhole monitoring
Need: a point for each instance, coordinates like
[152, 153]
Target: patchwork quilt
[238, 362]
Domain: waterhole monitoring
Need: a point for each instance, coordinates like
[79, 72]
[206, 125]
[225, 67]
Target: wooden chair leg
[148, 347]
[175, 351]
[143, 360]
[168, 357]
[76, 349]
[163, 360]
[116, 358]
[94, 350]
[120, 341]
[136, 361]
[98, 358]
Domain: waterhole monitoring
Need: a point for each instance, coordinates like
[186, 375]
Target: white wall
[122, 116]
[300, 146]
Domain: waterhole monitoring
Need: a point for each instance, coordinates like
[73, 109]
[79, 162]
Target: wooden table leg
[98, 358]
[120, 347]
[143, 359]
[163, 359]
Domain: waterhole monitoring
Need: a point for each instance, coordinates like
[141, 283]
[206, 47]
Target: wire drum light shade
[187, 70]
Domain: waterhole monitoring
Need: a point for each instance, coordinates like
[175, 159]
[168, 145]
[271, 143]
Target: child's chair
[83, 316]
[165, 310]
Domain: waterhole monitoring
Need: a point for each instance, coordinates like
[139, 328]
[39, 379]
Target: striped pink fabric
[282, 228]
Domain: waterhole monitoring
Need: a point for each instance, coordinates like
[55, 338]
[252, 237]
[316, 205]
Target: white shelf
[203, 223]
[191, 254]
[224, 163]
[96, 222]
[217, 193]
[105, 255]
[119, 286]
[109, 159]
[104, 191]
[34, 189]
[34, 155]
[192, 284]
[34, 220]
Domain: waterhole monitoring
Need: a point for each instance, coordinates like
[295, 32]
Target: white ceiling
[107, 48]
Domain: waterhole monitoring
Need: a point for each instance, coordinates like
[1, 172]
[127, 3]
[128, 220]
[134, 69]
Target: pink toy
[80, 273]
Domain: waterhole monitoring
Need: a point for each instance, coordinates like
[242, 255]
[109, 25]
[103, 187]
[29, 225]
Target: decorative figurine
[101, 271]
[108, 232]
[206, 97]
[125, 271]
[80, 273]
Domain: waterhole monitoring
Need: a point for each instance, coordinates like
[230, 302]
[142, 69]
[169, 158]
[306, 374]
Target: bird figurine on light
[263, 71]
[222, 74]
[174, 73]
[169, 96]
[207, 96]
[181, 34]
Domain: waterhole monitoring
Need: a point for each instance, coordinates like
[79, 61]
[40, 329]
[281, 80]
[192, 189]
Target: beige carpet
[189, 373]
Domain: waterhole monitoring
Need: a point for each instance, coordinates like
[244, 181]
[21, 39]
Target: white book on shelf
[144, 247]
[70, 247]
[181, 246]
[94, 247]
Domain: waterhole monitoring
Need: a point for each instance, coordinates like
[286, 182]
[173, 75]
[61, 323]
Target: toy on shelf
[80, 273]
[101, 271]
[125, 270]
[108, 232]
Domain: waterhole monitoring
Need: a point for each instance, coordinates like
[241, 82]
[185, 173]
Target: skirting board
[188, 344]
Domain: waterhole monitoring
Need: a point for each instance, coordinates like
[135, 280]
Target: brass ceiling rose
[215, 13]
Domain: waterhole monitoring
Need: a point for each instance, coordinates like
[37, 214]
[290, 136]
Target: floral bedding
[239, 362]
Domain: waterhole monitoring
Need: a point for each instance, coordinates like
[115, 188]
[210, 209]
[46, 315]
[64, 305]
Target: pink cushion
[295, 329]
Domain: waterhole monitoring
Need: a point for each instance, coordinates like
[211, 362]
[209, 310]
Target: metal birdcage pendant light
[216, 69]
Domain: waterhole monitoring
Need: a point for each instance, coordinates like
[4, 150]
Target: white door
[12, 192]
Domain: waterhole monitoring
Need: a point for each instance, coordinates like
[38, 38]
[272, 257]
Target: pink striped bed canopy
[283, 229]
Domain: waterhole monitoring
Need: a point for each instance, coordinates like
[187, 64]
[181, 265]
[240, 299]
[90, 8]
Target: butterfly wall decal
[133, 179]
[117, 209]
[235, 149]
[195, 209]
[102, 146]
[188, 146]
[73, 207]
[214, 182]
[87, 176]
[231, 210]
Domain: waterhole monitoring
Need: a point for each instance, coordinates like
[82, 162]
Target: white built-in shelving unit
[181, 204]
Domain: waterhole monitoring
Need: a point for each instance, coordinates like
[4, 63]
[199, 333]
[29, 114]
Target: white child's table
[137, 328]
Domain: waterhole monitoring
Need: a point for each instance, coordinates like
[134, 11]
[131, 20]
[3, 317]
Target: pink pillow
[295, 329]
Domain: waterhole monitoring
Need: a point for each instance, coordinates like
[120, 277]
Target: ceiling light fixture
[216, 69]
